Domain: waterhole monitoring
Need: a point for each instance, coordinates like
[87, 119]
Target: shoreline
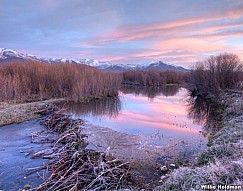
[20, 112]
[222, 162]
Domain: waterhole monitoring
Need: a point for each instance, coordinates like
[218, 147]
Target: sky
[179, 32]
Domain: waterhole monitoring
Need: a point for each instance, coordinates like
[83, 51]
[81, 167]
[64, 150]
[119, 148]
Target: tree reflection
[151, 92]
[205, 111]
[110, 107]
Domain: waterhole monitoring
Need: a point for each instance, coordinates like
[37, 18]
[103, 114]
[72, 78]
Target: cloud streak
[123, 31]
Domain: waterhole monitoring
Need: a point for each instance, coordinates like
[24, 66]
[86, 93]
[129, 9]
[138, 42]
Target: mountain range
[7, 55]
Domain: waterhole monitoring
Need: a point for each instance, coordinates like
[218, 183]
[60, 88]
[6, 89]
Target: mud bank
[222, 162]
[149, 158]
[17, 113]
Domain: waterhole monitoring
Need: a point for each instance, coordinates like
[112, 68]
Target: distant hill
[11, 55]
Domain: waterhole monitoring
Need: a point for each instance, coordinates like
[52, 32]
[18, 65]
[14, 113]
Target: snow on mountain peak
[6, 54]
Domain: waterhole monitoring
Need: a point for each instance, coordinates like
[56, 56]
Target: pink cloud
[180, 41]
[138, 32]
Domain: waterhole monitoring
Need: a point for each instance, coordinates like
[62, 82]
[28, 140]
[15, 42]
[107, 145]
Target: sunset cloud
[177, 32]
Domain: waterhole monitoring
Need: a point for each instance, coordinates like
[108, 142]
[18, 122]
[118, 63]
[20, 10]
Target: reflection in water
[134, 114]
[109, 107]
[151, 92]
[205, 111]
[163, 121]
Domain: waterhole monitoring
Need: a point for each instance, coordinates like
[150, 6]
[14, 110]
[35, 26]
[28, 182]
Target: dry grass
[32, 81]
[222, 163]
[220, 172]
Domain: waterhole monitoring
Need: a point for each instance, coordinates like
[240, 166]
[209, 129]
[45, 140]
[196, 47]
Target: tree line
[153, 77]
[31, 81]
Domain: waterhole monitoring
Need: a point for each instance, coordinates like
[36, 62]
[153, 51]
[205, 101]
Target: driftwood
[72, 167]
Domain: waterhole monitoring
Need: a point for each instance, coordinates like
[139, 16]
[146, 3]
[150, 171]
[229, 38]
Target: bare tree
[216, 74]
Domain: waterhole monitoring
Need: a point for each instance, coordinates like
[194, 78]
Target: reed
[31, 81]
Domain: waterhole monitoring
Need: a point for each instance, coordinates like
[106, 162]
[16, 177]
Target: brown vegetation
[152, 77]
[72, 166]
[215, 74]
[31, 81]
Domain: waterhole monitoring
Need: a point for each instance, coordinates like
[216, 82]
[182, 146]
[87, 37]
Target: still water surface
[158, 113]
[150, 112]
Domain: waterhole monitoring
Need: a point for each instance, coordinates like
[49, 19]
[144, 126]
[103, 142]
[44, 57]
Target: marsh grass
[32, 81]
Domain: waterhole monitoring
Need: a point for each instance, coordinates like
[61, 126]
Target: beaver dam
[129, 141]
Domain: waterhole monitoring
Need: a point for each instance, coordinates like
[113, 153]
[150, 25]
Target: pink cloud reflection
[159, 122]
[164, 113]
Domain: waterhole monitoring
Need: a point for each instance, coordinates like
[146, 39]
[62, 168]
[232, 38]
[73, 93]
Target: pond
[161, 113]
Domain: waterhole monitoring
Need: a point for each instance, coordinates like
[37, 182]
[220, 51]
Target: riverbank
[11, 113]
[222, 163]
[148, 156]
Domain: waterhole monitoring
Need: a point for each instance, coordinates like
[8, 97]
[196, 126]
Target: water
[14, 146]
[154, 112]
[162, 114]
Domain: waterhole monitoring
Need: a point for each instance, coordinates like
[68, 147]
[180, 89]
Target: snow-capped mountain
[90, 62]
[163, 66]
[10, 55]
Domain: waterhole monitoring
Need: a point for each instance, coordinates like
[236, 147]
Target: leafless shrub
[215, 74]
[152, 77]
[37, 81]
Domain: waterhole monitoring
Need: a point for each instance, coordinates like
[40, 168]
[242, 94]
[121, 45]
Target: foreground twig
[74, 168]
